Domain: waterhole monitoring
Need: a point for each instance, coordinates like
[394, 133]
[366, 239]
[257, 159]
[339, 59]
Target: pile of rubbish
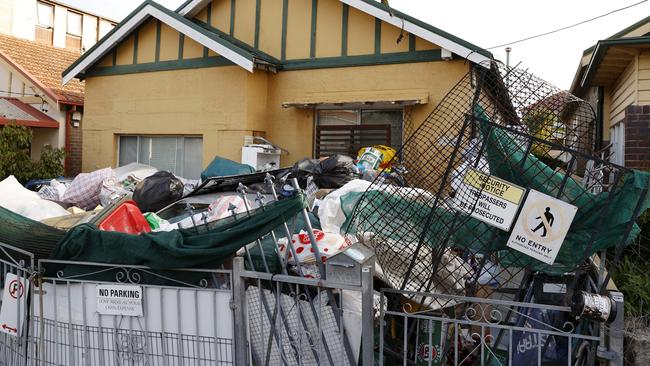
[137, 204]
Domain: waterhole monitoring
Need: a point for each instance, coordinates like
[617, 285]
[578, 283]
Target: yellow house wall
[271, 27]
[186, 102]
[329, 29]
[361, 33]
[245, 21]
[644, 78]
[293, 128]
[624, 92]
[179, 102]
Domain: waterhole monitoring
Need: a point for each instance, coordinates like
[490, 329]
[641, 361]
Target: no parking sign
[12, 311]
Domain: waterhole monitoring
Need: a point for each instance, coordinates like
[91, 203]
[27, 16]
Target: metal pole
[239, 312]
[367, 316]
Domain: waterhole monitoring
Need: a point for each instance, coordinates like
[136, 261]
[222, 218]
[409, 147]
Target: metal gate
[186, 316]
[19, 263]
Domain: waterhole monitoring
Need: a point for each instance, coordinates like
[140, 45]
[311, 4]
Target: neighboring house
[614, 76]
[53, 23]
[32, 94]
[175, 88]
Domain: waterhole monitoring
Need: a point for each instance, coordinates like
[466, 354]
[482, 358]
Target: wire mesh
[506, 123]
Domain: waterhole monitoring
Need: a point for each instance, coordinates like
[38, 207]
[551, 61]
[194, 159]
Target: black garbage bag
[158, 191]
[333, 172]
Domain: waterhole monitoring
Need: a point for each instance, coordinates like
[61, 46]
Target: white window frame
[180, 139]
[617, 136]
[67, 23]
[40, 4]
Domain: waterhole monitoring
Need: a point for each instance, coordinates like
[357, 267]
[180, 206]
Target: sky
[489, 23]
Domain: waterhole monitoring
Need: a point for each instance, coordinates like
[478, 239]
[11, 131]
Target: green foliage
[15, 143]
[631, 274]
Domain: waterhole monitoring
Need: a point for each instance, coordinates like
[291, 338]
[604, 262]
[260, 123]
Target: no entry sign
[542, 226]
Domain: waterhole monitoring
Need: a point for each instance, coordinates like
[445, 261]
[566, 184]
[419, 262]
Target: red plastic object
[126, 218]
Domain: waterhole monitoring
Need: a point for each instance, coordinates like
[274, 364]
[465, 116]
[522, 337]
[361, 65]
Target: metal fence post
[617, 330]
[367, 316]
[239, 312]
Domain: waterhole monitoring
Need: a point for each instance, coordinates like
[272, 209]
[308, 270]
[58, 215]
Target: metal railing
[302, 321]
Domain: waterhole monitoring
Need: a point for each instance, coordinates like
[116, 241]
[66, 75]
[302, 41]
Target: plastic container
[126, 218]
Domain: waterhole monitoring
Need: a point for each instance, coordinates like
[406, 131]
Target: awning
[13, 111]
[369, 98]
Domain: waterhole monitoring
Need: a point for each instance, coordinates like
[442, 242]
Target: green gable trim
[115, 56]
[196, 63]
[135, 46]
[253, 51]
[621, 33]
[377, 36]
[110, 33]
[632, 27]
[232, 17]
[312, 38]
[285, 15]
[304, 64]
[431, 28]
[411, 42]
[177, 17]
[601, 49]
[344, 29]
[158, 30]
[181, 45]
[363, 60]
[257, 23]
[184, 4]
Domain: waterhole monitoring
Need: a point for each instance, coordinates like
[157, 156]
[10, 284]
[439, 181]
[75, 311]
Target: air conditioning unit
[261, 156]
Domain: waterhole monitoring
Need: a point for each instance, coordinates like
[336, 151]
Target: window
[74, 24]
[617, 155]
[345, 131]
[45, 14]
[181, 155]
[45, 23]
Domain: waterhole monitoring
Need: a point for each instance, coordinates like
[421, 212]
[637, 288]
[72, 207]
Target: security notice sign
[123, 300]
[12, 311]
[496, 200]
[542, 226]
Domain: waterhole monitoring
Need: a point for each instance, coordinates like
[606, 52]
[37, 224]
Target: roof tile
[45, 64]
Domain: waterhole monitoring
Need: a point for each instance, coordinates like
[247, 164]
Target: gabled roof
[396, 18]
[42, 65]
[632, 35]
[13, 111]
[150, 9]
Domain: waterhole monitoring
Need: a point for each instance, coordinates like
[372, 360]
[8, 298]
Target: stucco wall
[223, 104]
[212, 102]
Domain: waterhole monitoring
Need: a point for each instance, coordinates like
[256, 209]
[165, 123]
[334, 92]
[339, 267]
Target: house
[53, 23]
[32, 94]
[614, 76]
[175, 88]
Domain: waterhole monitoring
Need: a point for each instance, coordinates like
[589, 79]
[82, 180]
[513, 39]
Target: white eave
[443, 42]
[124, 30]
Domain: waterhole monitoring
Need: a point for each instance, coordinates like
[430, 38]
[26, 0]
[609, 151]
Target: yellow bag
[377, 157]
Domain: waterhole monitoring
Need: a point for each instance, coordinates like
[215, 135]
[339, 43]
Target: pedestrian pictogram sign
[12, 311]
[542, 226]
[489, 199]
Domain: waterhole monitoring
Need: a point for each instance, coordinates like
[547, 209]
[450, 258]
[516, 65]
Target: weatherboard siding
[644, 78]
[624, 93]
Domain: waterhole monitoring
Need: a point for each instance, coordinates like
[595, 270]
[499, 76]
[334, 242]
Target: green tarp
[205, 246]
[185, 248]
[393, 214]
